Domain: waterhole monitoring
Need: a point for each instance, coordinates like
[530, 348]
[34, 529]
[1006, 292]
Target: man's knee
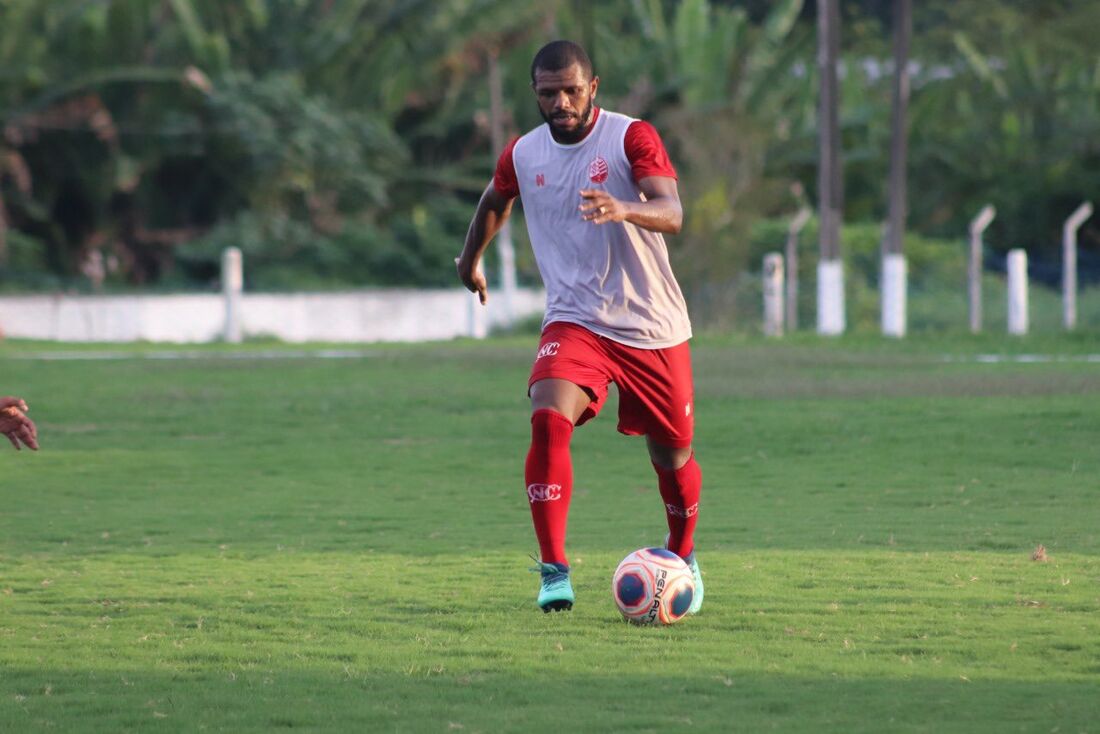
[560, 396]
[668, 457]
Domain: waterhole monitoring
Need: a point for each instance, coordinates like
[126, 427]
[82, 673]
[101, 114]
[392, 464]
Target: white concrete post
[507, 252]
[974, 265]
[232, 286]
[504, 238]
[830, 174]
[1069, 264]
[894, 292]
[893, 285]
[1017, 292]
[830, 297]
[773, 294]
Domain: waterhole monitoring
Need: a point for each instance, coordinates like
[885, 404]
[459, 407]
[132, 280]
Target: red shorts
[656, 397]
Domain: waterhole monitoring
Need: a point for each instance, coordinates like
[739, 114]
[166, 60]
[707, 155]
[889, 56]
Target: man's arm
[492, 212]
[660, 212]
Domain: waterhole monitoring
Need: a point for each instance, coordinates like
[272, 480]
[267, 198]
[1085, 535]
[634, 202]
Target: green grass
[251, 544]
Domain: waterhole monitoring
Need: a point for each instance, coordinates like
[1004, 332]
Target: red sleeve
[504, 180]
[646, 152]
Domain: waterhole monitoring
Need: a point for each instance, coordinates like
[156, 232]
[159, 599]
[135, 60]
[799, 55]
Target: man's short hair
[558, 55]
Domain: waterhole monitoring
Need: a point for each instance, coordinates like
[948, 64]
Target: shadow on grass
[434, 700]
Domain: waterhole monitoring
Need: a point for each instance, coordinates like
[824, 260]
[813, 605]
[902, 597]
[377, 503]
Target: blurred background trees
[342, 143]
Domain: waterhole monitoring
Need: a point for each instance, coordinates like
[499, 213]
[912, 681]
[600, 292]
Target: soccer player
[16, 425]
[598, 191]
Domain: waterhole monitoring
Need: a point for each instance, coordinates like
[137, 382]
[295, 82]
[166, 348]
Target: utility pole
[830, 268]
[505, 246]
[894, 266]
[791, 257]
[974, 265]
[3, 232]
[584, 12]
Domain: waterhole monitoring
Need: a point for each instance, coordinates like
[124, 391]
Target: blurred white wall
[360, 316]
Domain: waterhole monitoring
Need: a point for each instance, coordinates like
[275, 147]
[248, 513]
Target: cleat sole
[557, 606]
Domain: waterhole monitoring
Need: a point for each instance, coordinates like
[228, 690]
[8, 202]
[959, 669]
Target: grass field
[239, 541]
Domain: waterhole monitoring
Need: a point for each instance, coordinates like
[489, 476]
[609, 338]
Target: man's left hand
[599, 207]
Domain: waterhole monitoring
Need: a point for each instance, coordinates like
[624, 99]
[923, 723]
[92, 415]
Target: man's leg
[556, 405]
[680, 482]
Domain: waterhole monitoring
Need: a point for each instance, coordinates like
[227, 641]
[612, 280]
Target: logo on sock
[543, 492]
[549, 349]
[681, 511]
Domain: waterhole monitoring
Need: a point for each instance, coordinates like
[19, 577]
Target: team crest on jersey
[597, 170]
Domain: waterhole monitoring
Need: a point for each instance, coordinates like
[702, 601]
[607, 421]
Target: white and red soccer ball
[653, 586]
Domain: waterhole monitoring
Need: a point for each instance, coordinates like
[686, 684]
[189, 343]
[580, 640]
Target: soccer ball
[653, 586]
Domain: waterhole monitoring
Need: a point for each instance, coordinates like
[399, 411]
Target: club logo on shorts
[597, 170]
[549, 349]
[679, 511]
[543, 492]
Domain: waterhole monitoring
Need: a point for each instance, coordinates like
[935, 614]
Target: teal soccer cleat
[697, 597]
[556, 592]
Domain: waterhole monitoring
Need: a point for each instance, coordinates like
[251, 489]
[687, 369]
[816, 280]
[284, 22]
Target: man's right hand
[492, 212]
[473, 279]
[15, 425]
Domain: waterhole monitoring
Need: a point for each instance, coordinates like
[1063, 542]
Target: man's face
[565, 101]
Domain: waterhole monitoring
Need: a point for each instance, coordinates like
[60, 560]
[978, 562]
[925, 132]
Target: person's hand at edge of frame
[16, 425]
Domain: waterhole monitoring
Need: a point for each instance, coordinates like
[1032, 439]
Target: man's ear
[595, 85]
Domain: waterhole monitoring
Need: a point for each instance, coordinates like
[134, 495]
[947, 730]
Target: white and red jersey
[614, 278]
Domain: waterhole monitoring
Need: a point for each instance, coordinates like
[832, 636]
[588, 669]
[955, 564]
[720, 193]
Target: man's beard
[576, 134]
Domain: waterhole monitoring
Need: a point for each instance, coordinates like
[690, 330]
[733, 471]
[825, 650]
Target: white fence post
[507, 252]
[1017, 292]
[1069, 264]
[830, 297]
[895, 272]
[974, 266]
[773, 294]
[232, 286]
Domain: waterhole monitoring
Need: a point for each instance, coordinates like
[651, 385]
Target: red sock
[680, 489]
[549, 476]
